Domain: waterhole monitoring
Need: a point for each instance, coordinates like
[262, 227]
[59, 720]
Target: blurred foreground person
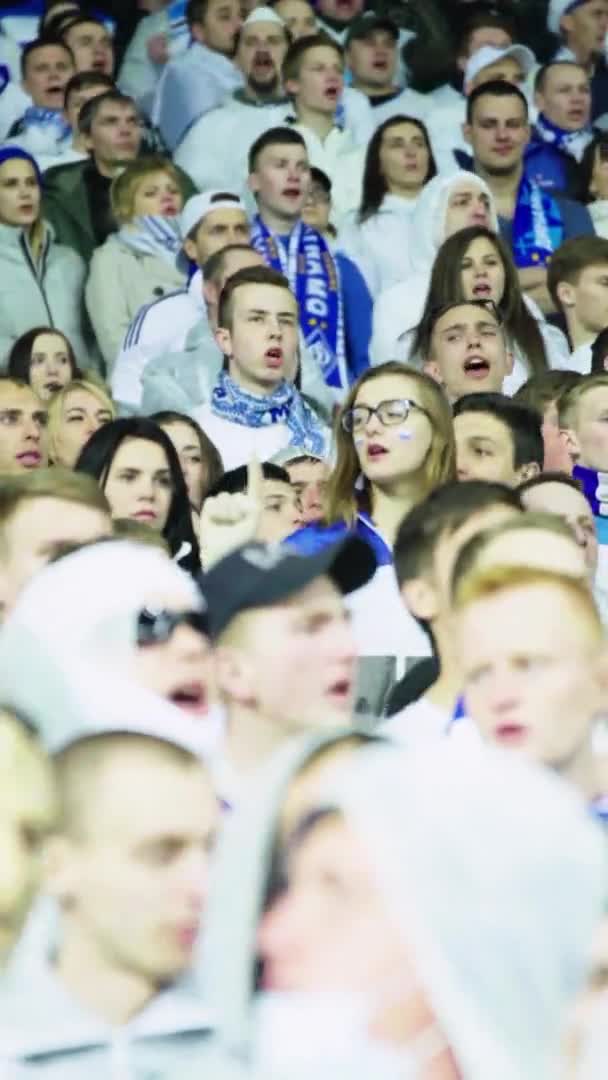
[112, 634]
[367, 969]
[114, 993]
[27, 811]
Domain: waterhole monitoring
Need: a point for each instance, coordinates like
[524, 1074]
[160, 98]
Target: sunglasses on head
[154, 627]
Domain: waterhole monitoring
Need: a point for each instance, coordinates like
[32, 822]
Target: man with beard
[259, 105]
[200, 79]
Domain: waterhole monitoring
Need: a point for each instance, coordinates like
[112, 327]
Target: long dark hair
[375, 186]
[96, 458]
[446, 288]
[210, 454]
[20, 356]
[587, 165]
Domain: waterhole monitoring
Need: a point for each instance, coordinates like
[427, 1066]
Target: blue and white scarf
[153, 235]
[538, 228]
[283, 406]
[571, 142]
[45, 119]
[311, 270]
[179, 31]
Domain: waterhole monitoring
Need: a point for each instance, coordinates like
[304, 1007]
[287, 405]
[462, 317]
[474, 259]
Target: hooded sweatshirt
[67, 649]
[400, 307]
[496, 903]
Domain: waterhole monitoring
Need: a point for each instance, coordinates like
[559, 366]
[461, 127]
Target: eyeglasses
[317, 195]
[485, 305]
[389, 413]
[156, 627]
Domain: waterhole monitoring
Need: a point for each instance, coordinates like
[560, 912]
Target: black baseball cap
[365, 24]
[258, 575]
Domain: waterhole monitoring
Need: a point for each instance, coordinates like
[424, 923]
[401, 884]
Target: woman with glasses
[398, 164]
[394, 445]
[475, 264]
[137, 467]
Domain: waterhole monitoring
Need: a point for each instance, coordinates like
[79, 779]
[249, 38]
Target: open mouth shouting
[263, 64]
[191, 698]
[339, 693]
[476, 367]
[332, 94]
[482, 290]
[375, 451]
[274, 357]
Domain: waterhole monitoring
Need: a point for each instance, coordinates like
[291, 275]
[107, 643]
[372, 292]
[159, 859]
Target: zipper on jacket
[34, 271]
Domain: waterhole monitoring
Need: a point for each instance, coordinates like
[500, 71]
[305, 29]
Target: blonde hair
[57, 404]
[439, 467]
[125, 186]
[485, 584]
[569, 402]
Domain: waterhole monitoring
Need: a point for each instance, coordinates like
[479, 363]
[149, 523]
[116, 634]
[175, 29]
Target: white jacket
[380, 245]
[343, 161]
[120, 281]
[190, 86]
[159, 327]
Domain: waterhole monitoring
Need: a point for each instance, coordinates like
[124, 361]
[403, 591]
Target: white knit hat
[263, 14]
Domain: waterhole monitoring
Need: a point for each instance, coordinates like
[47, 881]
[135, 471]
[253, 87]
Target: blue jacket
[313, 538]
[358, 308]
[550, 168]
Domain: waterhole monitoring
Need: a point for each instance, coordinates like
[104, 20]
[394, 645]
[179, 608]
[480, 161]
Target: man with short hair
[255, 409]
[27, 813]
[46, 67]
[199, 80]
[497, 439]
[90, 43]
[23, 417]
[542, 393]
[428, 542]
[62, 144]
[308, 476]
[531, 648]
[582, 25]
[182, 379]
[510, 63]
[40, 512]
[115, 984]
[562, 131]
[76, 198]
[313, 75]
[558, 493]
[214, 150]
[465, 349]
[335, 304]
[371, 54]
[534, 223]
[578, 282]
[209, 223]
[583, 411]
[285, 650]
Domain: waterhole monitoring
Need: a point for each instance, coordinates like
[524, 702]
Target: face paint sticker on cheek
[406, 436]
[360, 441]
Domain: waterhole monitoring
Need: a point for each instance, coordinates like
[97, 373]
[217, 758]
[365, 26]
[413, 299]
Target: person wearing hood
[398, 164]
[138, 651]
[361, 968]
[445, 205]
[285, 653]
[139, 262]
[42, 280]
[113, 988]
[208, 223]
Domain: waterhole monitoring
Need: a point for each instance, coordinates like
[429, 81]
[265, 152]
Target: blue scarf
[153, 235]
[571, 142]
[310, 268]
[538, 229]
[283, 406]
[37, 117]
